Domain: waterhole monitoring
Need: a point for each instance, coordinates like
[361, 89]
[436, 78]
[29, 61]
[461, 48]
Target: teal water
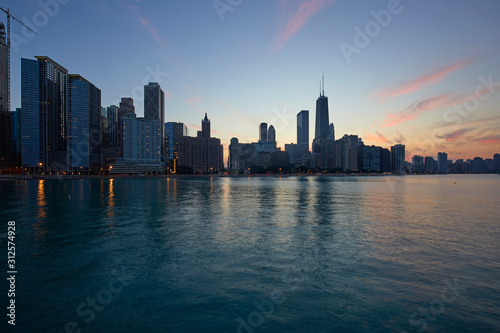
[269, 254]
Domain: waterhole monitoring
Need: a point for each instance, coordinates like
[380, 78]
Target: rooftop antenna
[323, 84]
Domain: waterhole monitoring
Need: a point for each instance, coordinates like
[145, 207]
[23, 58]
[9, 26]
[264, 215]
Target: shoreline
[107, 177]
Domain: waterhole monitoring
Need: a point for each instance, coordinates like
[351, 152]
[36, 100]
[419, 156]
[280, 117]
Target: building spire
[323, 84]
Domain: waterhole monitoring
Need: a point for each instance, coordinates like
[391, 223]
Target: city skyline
[414, 105]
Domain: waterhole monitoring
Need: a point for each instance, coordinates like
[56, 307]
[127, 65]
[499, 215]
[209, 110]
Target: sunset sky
[422, 73]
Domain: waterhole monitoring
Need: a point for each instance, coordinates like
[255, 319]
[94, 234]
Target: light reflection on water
[363, 253]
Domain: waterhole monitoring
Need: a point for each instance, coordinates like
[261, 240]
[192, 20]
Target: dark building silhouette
[398, 163]
[202, 154]
[154, 107]
[323, 143]
[271, 134]
[263, 132]
[205, 127]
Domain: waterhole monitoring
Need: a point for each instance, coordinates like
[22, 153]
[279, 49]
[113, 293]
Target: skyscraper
[173, 132]
[442, 162]
[322, 117]
[234, 155]
[154, 106]
[205, 127]
[323, 143]
[263, 132]
[126, 108]
[398, 163]
[302, 134]
[44, 114]
[271, 134]
[84, 125]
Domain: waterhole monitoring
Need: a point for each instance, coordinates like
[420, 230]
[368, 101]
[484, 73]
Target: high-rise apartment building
[44, 114]
[84, 125]
[398, 163]
[442, 166]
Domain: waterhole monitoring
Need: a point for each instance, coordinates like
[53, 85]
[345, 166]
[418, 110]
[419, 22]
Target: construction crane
[9, 15]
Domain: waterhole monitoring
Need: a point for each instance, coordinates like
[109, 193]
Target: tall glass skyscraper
[154, 107]
[84, 133]
[44, 114]
[173, 132]
[302, 134]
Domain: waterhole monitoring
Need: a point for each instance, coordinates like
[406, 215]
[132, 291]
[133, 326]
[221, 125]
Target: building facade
[173, 132]
[398, 163]
[44, 115]
[154, 107]
[442, 165]
[84, 125]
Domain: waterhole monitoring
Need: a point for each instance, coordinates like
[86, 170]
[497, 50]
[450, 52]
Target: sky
[421, 73]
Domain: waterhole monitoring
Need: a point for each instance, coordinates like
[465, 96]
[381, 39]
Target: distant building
[271, 134]
[346, 153]
[126, 108]
[385, 160]
[496, 162]
[418, 163]
[323, 143]
[173, 132]
[234, 155]
[430, 164]
[44, 115]
[247, 155]
[154, 107]
[84, 125]
[202, 154]
[16, 131]
[263, 132]
[477, 165]
[398, 163]
[142, 140]
[442, 166]
[280, 159]
[369, 158]
[301, 153]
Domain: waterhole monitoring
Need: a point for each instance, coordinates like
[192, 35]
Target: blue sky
[403, 79]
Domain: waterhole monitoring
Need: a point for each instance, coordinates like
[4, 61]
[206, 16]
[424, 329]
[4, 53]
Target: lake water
[264, 254]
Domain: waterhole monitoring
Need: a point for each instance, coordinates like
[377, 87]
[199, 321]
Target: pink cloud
[421, 82]
[415, 109]
[193, 102]
[298, 20]
[152, 31]
[376, 138]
